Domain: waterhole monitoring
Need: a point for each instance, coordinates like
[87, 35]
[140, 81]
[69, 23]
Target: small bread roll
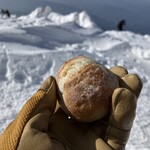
[85, 89]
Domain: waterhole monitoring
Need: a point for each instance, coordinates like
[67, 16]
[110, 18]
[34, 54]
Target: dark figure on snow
[121, 24]
[5, 12]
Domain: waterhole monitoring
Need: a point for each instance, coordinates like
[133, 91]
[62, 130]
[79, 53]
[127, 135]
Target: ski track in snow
[35, 46]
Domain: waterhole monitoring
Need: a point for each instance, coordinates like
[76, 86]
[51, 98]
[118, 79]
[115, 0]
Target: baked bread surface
[85, 89]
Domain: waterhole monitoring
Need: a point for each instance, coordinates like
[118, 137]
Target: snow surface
[33, 47]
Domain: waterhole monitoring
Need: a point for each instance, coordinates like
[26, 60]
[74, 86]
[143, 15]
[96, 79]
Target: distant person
[121, 24]
[7, 13]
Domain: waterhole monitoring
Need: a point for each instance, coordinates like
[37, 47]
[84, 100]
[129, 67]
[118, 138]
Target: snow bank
[82, 19]
[40, 12]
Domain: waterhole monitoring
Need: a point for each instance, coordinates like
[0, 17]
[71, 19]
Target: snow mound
[82, 19]
[40, 12]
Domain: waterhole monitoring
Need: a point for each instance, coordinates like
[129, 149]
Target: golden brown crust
[71, 68]
[86, 96]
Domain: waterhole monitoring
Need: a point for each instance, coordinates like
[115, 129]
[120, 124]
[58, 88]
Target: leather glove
[38, 127]
[29, 130]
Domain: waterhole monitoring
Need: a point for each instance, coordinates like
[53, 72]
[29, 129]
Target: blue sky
[106, 12]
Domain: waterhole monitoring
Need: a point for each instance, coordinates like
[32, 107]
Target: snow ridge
[80, 18]
[40, 12]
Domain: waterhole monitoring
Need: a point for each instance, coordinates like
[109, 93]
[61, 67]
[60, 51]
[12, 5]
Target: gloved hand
[43, 125]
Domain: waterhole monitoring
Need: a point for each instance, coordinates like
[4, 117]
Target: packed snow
[34, 46]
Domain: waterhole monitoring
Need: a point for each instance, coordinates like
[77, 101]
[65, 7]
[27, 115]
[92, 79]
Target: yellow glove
[30, 126]
[124, 101]
[37, 128]
[109, 133]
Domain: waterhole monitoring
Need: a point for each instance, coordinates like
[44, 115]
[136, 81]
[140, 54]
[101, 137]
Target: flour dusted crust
[85, 89]
[71, 68]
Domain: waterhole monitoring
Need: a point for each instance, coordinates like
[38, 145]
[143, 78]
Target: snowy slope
[33, 47]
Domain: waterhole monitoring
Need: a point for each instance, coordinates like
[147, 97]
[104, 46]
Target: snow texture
[33, 47]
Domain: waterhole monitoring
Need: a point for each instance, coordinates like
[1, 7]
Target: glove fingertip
[47, 83]
[133, 83]
[123, 108]
[119, 71]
